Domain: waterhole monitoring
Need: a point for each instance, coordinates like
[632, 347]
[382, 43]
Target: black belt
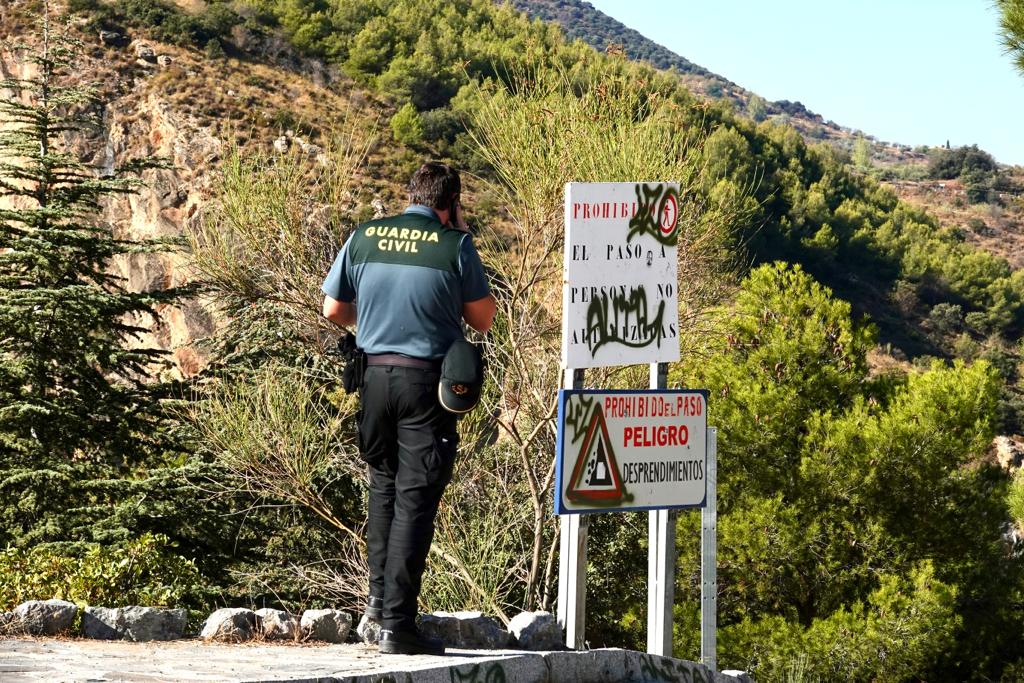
[403, 361]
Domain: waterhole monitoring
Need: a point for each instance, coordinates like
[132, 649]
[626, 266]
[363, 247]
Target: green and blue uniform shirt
[409, 276]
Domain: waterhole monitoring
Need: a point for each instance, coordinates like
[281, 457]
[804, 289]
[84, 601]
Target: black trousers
[409, 442]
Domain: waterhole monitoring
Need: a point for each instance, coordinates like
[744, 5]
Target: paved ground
[31, 660]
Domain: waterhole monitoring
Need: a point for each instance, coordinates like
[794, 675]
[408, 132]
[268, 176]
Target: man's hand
[458, 220]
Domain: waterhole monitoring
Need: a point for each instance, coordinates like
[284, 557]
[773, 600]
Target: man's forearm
[341, 313]
[479, 314]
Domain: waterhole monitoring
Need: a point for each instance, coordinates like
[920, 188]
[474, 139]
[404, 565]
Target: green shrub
[946, 164]
[407, 126]
[964, 346]
[82, 5]
[977, 321]
[946, 318]
[143, 571]
[213, 49]
[1002, 360]
[164, 20]
[1015, 498]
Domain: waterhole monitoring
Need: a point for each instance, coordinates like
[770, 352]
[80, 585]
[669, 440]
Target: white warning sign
[620, 304]
[631, 450]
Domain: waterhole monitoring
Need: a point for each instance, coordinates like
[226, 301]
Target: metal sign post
[661, 560]
[572, 560]
[661, 573]
[572, 586]
[709, 560]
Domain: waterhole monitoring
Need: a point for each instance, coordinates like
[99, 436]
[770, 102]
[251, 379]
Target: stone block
[113, 38]
[134, 623]
[230, 625]
[469, 630]
[145, 53]
[519, 669]
[329, 625]
[593, 666]
[45, 617]
[275, 624]
[368, 630]
[536, 631]
[641, 666]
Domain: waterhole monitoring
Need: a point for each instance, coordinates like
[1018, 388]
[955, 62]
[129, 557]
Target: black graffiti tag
[624, 318]
[657, 213]
[577, 415]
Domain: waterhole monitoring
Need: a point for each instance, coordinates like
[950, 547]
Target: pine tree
[76, 414]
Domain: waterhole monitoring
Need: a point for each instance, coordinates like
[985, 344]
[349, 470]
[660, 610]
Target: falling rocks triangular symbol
[595, 477]
[598, 468]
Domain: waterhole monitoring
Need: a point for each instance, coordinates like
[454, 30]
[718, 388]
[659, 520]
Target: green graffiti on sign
[625, 319]
[577, 416]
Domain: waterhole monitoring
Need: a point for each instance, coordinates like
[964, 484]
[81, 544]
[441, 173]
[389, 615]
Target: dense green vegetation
[862, 534]
[166, 22]
[142, 571]
[1012, 25]
[851, 517]
[975, 168]
[88, 451]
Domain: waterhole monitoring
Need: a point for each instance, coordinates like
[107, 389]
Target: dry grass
[880, 363]
[996, 229]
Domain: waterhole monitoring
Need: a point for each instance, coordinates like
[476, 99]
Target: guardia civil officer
[407, 282]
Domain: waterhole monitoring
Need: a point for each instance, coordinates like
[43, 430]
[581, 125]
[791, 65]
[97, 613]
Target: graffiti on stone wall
[665, 670]
[488, 672]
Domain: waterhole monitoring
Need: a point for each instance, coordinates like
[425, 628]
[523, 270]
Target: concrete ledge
[25, 660]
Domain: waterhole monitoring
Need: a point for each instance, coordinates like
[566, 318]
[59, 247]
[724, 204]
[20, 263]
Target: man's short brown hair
[435, 185]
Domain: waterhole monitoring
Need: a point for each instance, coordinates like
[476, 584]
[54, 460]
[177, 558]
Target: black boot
[409, 643]
[374, 608]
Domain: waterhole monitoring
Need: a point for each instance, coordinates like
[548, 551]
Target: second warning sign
[631, 450]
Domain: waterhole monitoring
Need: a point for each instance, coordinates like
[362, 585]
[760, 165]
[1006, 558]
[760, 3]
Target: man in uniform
[408, 282]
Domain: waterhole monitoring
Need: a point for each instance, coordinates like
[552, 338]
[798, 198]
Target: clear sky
[917, 72]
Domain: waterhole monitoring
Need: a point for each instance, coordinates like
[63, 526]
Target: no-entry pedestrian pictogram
[669, 214]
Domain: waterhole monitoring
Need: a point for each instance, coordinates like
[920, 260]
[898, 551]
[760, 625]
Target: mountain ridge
[580, 19]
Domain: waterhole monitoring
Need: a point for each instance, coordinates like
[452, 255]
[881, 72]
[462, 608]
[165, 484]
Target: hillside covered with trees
[860, 354]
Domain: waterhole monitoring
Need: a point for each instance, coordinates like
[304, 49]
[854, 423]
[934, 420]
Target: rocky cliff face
[138, 122]
[186, 108]
[169, 199]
